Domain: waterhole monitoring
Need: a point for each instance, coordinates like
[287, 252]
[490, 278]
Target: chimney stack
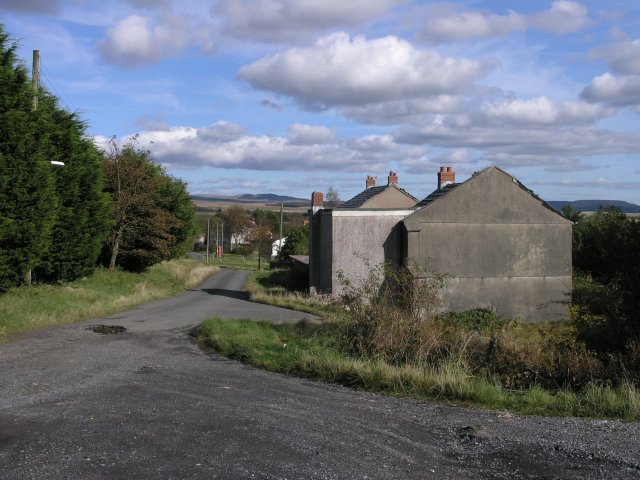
[446, 176]
[393, 178]
[317, 202]
[371, 182]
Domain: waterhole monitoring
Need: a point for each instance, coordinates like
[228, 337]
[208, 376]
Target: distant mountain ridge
[594, 205]
[273, 198]
[250, 198]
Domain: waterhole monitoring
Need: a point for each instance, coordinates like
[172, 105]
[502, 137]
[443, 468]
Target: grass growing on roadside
[103, 293]
[268, 287]
[311, 351]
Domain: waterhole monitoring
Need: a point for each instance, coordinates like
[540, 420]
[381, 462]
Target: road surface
[149, 404]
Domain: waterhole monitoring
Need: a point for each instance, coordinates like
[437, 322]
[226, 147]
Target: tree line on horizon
[115, 208]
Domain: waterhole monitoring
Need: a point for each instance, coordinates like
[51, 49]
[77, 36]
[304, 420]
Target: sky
[295, 96]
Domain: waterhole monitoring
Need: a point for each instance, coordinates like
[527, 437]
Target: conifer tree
[82, 221]
[27, 197]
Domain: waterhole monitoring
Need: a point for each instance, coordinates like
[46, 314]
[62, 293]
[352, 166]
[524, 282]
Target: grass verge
[311, 351]
[27, 308]
[270, 287]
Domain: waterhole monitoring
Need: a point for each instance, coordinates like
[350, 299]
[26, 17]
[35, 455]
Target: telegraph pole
[35, 85]
[280, 244]
[35, 77]
[208, 240]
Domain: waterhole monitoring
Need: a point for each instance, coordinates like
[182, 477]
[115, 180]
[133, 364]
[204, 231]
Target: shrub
[387, 311]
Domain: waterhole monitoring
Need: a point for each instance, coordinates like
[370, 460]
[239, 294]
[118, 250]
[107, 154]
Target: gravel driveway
[148, 403]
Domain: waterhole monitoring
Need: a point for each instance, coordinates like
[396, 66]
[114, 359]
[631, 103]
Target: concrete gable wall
[500, 246]
[490, 197]
[390, 198]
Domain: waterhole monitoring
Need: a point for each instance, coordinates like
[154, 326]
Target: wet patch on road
[107, 329]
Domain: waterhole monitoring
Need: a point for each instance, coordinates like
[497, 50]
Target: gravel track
[149, 403]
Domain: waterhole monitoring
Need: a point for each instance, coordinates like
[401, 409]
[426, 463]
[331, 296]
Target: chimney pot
[446, 176]
[370, 183]
[317, 201]
[393, 178]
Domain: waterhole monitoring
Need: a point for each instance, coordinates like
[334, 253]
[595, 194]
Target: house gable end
[491, 196]
[384, 197]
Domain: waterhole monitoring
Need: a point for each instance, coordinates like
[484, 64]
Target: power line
[52, 85]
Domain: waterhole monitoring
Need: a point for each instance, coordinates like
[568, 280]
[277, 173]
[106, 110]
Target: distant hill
[248, 198]
[594, 205]
[257, 199]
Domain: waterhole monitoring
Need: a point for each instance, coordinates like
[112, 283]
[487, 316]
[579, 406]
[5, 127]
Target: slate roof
[368, 194]
[436, 194]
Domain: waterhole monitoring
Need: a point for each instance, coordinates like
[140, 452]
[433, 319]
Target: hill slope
[594, 205]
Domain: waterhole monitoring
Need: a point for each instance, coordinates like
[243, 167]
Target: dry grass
[104, 293]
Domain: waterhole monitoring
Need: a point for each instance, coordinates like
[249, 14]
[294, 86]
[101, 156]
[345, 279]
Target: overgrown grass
[273, 287]
[104, 293]
[313, 351]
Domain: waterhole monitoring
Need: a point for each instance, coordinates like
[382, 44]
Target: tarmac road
[148, 403]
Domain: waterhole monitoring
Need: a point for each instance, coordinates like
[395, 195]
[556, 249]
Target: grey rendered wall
[320, 251]
[500, 247]
[358, 234]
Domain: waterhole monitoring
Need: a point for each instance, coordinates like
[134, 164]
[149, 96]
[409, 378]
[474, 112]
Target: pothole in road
[107, 329]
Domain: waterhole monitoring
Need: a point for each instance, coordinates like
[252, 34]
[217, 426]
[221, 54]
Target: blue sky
[292, 96]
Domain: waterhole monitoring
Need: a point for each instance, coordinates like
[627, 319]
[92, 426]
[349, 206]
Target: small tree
[606, 297]
[296, 243]
[571, 213]
[332, 198]
[235, 220]
[152, 217]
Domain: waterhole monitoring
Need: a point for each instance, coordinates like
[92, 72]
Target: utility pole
[280, 244]
[217, 239]
[208, 231]
[222, 249]
[35, 77]
[35, 84]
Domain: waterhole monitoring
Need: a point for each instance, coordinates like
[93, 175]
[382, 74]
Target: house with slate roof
[368, 225]
[500, 245]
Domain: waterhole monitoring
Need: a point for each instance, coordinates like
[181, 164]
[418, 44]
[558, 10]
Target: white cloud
[220, 131]
[133, 41]
[227, 145]
[402, 111]
[563, 17]
[285, 20]
[374, 143]
[343, 71]
[542, 111]
[623, 58]
[521, 144]
[300, 134]
[449, 24]
[446, 24]
[614, 90]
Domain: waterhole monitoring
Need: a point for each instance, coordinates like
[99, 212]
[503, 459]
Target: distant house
[500, 245]
[367, 225]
